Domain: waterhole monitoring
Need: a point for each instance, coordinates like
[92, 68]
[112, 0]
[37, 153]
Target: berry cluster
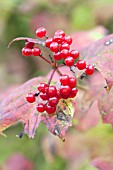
[48, 95]
[30, 49]
[60, 46]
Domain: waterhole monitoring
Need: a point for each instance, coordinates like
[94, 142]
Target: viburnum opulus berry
[30, 97]
[40, 107]
[26, 51]
[89, 69]
[48, 42]
[41, 32]
[48, 96]
[54, 47]
[36, 51]
[81, 64]
[69, 61]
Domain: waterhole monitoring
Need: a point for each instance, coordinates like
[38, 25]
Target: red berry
[65, 53]
[42, 87]
[30, 97]
[57, 56]
[81, 64]
[40, 107]
[36, 51]
[69, 61]
[50, 109]
[53, 101]
[54, 47]
[65, 46]
[43, 96]
[65, 96]
[41, 32]
[72, 82]
[64, 79]
[89, 69]
[60, 32]
[52, 91]
[48, 42]
[26, 51]
[74, 54]
[58, 38]
[29, 44]
[65, 90]
[73, 92]
[68, 39]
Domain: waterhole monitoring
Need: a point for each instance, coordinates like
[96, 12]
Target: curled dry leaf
[14, 108]
[36, 41]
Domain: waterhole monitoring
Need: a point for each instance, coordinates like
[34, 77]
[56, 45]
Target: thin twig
[45, 59]
[51, 58]
[51, 76]
[58, 71]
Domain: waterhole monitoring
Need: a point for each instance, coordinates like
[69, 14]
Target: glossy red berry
[65, 96]
[58, 38]
[44, 96]
[53, 101]
[42, 87]
[50, 109]
[68, 39]
[26, 52]
[69, 61]
[54, 47]
[81, 64]
[40, 107]
[30, 97]
[57, 56]
[73, 92]
[72, 82]
[65, 90]
[29, 45]
[74, 54]
[64, 53]
[60, 32]
[48, 42]
[89, 69]
[36, 51]
[52, 91]
[41, 32]
[64, 79]
[65, 46]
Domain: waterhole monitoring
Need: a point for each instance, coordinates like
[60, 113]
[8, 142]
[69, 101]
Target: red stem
[58, 71]
[51, 77]
[45, 59]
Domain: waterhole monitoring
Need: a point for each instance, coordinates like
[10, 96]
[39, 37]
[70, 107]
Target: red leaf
[91, 118]
[93, 101]
[84, 38]
[15, 108]
[102, 163]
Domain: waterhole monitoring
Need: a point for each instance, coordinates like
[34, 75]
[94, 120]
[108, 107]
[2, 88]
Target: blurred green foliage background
[22, 18]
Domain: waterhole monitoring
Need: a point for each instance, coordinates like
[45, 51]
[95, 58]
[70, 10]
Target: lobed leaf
[14, 108]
